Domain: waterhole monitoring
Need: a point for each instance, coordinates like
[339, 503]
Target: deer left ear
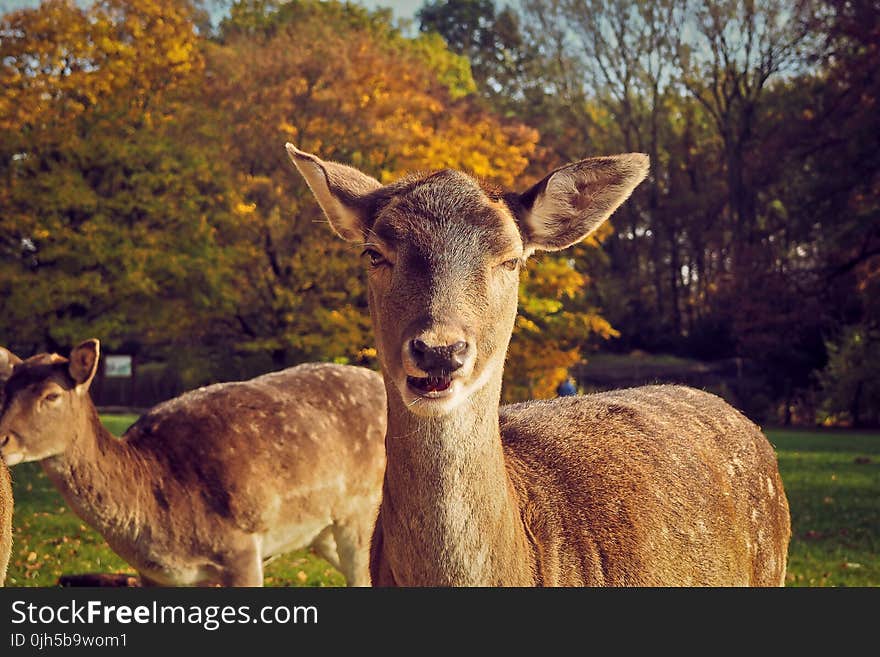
[575, 200]
[84, 363]
[8, 361]
[339, 189]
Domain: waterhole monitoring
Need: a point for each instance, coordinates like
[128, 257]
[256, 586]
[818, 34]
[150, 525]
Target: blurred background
[146, 199]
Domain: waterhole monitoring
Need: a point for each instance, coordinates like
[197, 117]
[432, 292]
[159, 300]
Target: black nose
[438, 361]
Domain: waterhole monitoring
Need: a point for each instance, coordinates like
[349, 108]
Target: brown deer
[203, 489]
[661, 485]
[7, 361]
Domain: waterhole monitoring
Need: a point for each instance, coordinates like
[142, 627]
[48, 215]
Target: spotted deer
[205, 488]
[659, 485]
[7, 361]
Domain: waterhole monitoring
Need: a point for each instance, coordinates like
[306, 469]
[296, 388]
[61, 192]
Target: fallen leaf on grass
[302, 577]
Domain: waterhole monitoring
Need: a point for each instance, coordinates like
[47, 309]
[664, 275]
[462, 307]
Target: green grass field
[832, 480]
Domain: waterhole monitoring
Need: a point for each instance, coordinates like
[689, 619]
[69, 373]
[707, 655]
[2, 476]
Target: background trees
[756, 235]
[146, 198]
[109, 212]
[355, 91]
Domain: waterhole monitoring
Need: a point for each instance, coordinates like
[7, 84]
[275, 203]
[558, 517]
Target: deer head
[44, 399]
[443, 255]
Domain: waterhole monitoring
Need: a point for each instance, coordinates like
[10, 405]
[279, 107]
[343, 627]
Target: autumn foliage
[147, 200]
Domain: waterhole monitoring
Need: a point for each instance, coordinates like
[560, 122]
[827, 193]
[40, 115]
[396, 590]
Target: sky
[402, 8]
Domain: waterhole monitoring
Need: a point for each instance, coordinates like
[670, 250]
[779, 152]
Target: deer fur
[6, 506]
[652, 486]
[8, 361]
[203, 489]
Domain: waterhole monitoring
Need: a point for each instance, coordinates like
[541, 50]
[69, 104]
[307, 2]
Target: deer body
[5, 519]
[7, 362]
[662, 485]
[617, 498]
[205, 488]
[677, 488]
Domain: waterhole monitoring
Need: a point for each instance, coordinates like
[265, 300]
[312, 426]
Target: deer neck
[103, 479]
[449, 513]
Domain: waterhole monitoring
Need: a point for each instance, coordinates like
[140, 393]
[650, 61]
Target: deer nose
[438, 360]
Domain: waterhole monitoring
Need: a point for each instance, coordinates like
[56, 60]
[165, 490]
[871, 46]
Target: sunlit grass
[832, 480]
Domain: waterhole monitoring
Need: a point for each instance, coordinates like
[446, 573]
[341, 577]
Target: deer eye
[375, 257]
[510, 265]
[52, 396]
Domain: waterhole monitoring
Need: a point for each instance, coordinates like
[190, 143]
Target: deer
[7, 362]
[660, 485]
[206, 488]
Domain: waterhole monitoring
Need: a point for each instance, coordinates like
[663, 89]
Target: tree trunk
[279, 358]
[854, 409]
[674, 280]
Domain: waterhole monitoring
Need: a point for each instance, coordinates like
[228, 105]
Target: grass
[832, 480]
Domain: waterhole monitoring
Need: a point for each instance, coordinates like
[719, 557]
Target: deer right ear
[340, 191]
[573, 201]
[8, 361]
[84, 363]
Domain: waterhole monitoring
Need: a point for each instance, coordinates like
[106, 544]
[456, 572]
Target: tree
[839, 180]
[356, 91]
[746, 238]
[109, 216]
[627, 54]
[739, 47]
[850, 380]
[491, 41]
[556, 324]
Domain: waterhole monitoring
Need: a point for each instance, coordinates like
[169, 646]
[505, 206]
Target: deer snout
[439, 359]
[10, 448]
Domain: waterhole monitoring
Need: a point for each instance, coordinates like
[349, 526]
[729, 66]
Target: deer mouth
[429, 386]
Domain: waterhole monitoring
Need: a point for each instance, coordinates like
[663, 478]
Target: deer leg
[325, 546]
[245, 567]
[353, 548]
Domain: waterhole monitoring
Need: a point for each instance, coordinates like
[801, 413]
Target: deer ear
[84, 363]
[340, 191]
[575, 200]
[8, 361]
